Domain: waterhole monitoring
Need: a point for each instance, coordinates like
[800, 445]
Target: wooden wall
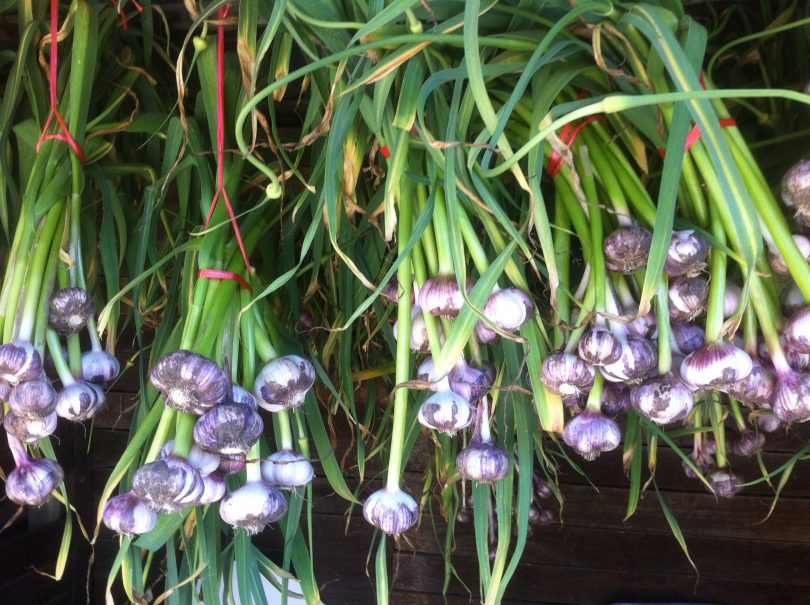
[589, 557]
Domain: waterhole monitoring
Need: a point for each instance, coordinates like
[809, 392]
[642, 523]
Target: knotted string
[568, 134]
[65, 134]
[221, 193]
[123, 14]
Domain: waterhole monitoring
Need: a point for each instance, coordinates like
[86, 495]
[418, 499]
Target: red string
[123, 14]
[568, 135]
[221, 192]
[695, 134]
[65, 134]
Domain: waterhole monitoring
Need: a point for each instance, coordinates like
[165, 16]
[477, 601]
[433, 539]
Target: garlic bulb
[567, 375]
[445, 411]
[627, 249]
[591, 433]
[128, 514]
[228, 429]
[168, 484]
[32, 482]
[663, 399]
[283, 383]
[253, 506]
[80, 401]
[33, 398]
[99, 367]
[441, 295]
[599, 346]
[287, 469]
[70, 309]
[19, 361]
[687, 253]
[716, 366]
[189, 382]
[392, 511]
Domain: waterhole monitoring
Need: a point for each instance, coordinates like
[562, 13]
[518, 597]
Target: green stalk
[594, 403]
[403, 358]
[431, 322]
[61, 366]
[767, 312]
[664, 328]
[717, 284]
[442, 233]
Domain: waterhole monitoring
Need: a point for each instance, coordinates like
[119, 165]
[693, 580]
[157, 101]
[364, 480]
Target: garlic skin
[99, 367]
[615, 399]
[598, 346]
[468, 381]
[756, 389]
[663, 399]
[29, 429]
[688, 297]
[509, 309]
[768, 423]
[425, 373]
[214, 488]
[419, 337]
[791, 398]
[228, 429]
[446, 412]
[441, 295]
[80, 401]
[484, 335]
[796, 360]
[205, 462]
[567, 375]
[253, 506]
[19, 361]
[687, 253]
[725, 483]
[777, 262]
[482, 461]
[716, 366]
[33, 398]
[230, 465]
[643, 326]
[748, 443]
[168, 484]
[796, 185]
[638, 361]
[31, 483]
[627, 249]
[702, 460]
[128, 514]
[283, 383]
[287, 469]
[687, 337]
[240, 396]
[796, 334]
[731, 300]
[190, 383]
[392, 511]
[791, 299]
[592, 433]
[70, 309]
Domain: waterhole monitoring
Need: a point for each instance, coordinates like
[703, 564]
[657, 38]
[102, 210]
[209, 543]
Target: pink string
[123, 14]
[65, 134]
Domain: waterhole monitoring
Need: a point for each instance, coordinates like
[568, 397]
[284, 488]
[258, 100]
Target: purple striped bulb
[687, 253]
[731, 300]
[70, 309]
[205, 462]
[283, 383]
[509, 309]
[482, 461]
[31, 483]
[287, 469]
[777, 261]
[99, 367]
[791, 398]
[687, 337]
[688, 297]
[716, 366]
[639, 360]
[598, 346]
[168, 484]
[615, 399]
[128, 514]
[627, 249]
[725, 483]
[446, 412]
[468, 381]
[19, 361]
[663, 399]
[392, 511]
[796, 185]
[190, 383]
[748, 443]
[253, 506]
[592, 433]
[33, 398]
[29, 429]
[214, 488]
[80, 401]
[228, 429]
[441, 295]
[567, 375]
[756, 389]
[796, 334]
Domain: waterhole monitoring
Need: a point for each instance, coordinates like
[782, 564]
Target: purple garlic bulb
[778, 263]
[419, 335]
[240, 396]
[687, 253]
[19, 361]
[484, 334]
[662, 399]
[748, 443]
[441, 295]
[796, 334]
[702, 460]
[567, 375]
[757, 388]
[615, 399]
[468, 381]
[791, 398]
[287, 469]
[796, 185]
[79, 401]
[283, 383]
[638, 361]
[627, 249]
[253, 506]
[688, 297]
[768, 423]
[391, 510]
[228, 429]
[592, 433]
[29, 429]
[509, 309]
[687, 337]
[189, 382]
[482, 461]
[128, 514]
[791, 299]
[716, 366]
[643, 326]
[205, 462]
[99, 367]
[598, 346]
[33, 398]
[445, 411]
[725, 483]
[731, 300]
[214, 488]
[229, 465]
[70, 309]
[168, 484]
[31, 483]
